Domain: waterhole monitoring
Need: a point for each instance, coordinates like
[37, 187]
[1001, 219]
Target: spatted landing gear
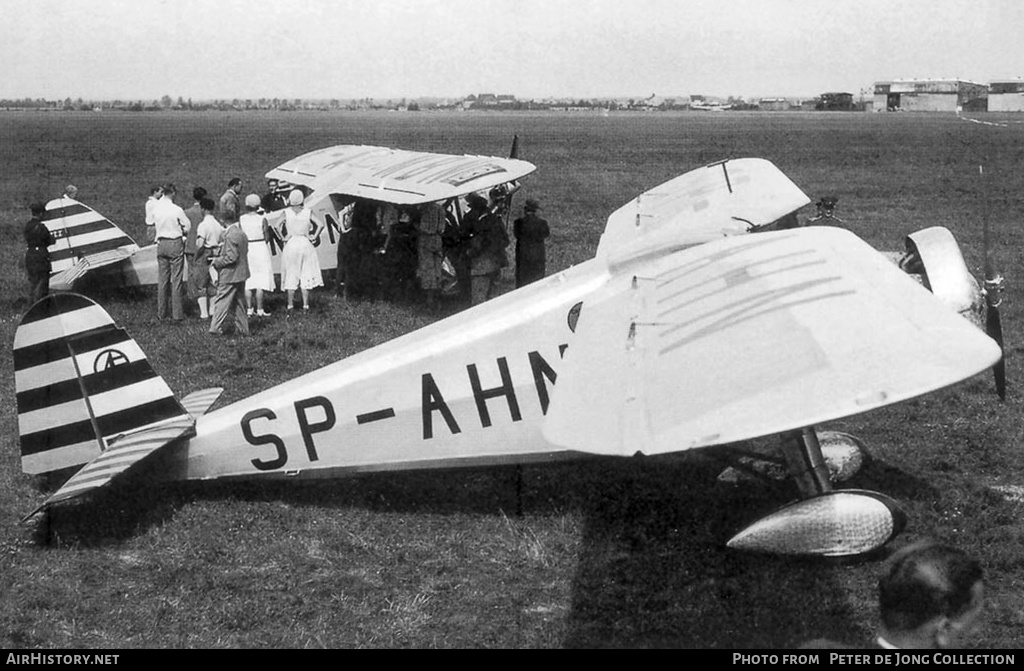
[825, 522]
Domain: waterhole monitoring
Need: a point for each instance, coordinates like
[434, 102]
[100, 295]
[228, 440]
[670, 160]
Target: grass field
[607, 553]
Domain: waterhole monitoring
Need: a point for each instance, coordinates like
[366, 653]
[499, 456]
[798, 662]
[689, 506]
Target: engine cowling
[934, 257]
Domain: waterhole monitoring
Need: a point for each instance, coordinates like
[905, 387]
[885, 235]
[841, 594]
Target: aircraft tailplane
[86, 394]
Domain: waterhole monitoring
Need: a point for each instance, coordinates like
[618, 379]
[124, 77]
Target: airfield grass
[605, 552]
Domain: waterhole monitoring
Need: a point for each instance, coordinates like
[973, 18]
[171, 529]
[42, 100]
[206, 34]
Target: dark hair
[207, 204]
[234, 181]
[198, 193]
[926, 580]
[156, 189]
[170, 189]
[37, 208]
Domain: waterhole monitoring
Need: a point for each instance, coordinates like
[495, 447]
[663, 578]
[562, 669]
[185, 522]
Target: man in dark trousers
[37, 255]
[232, 266]
[530, 232]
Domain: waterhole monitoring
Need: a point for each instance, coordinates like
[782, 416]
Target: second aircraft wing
[749, 336]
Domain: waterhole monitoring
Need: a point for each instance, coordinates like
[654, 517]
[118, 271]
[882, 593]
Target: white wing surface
[721, 199]
[395, 175]
[749, 336]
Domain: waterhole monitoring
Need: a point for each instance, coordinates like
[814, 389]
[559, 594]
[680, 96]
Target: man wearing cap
[229, 201]
[70, 191]
[171, 225]
[38, 238]
[486, 250]
[530, 232]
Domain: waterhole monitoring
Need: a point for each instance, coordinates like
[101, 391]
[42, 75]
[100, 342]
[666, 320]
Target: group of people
[227, 244]
[427, 248]
[423, 249]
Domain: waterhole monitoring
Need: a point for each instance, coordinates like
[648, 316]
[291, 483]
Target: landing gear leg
[805, 462]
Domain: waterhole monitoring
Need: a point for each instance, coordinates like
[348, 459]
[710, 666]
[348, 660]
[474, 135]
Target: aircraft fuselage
[472, 389]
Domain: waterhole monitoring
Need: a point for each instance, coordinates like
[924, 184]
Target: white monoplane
[684, 332]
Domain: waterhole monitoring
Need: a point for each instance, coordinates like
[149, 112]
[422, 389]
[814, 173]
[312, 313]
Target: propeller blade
[993, 293]
[994, 328]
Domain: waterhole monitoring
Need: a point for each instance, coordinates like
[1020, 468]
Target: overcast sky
[201, 49]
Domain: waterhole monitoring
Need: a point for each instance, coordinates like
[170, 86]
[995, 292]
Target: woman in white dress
[261, 273]
[300, 267]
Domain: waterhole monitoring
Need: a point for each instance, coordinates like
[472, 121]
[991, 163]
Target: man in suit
[232, 266]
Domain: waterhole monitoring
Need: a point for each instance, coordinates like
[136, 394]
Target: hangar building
[1006, 96]
[930, 95]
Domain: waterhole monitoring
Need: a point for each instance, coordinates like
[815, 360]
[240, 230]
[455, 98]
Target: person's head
[71, 191]
[272, 184]
[235, 184]
[37, 209]
[156, 192]
[198, 194]
[295, 198]
[207, 205]
[252, 202]
[530, 205]
[170, 191]
[476, 202]
[932, 596]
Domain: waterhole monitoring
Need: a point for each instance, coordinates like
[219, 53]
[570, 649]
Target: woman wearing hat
[261, 273]
[300, 267]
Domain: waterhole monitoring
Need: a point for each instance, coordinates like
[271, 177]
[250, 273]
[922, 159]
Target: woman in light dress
[300, 267]
[261, 273]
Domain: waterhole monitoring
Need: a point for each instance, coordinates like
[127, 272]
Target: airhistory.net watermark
[58, 659]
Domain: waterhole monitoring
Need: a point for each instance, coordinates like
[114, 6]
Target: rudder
[81, 381]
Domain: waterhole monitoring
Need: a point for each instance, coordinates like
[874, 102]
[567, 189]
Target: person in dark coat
[530, 232]
[400, 257]
[357, 276]
[38, 238]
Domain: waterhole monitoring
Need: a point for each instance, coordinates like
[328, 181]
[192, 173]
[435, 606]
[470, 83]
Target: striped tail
[84, 239]
[87, 395]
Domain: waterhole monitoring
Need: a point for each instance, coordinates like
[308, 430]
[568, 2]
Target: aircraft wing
[395, 175]
[84, 239]
[726, 198]
[749, 336]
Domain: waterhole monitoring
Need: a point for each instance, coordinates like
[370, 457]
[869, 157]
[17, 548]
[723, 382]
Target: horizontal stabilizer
[753, 335]
[65, 279]
[122, 453]
[198, 403]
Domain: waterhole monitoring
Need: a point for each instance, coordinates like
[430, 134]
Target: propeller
[993, 294]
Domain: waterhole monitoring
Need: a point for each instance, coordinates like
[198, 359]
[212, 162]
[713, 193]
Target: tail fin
[84, 239]
[514, 152]
[86, 393]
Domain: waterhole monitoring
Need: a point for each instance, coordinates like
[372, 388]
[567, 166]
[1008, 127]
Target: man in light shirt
[171, 226]
[154, 197]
